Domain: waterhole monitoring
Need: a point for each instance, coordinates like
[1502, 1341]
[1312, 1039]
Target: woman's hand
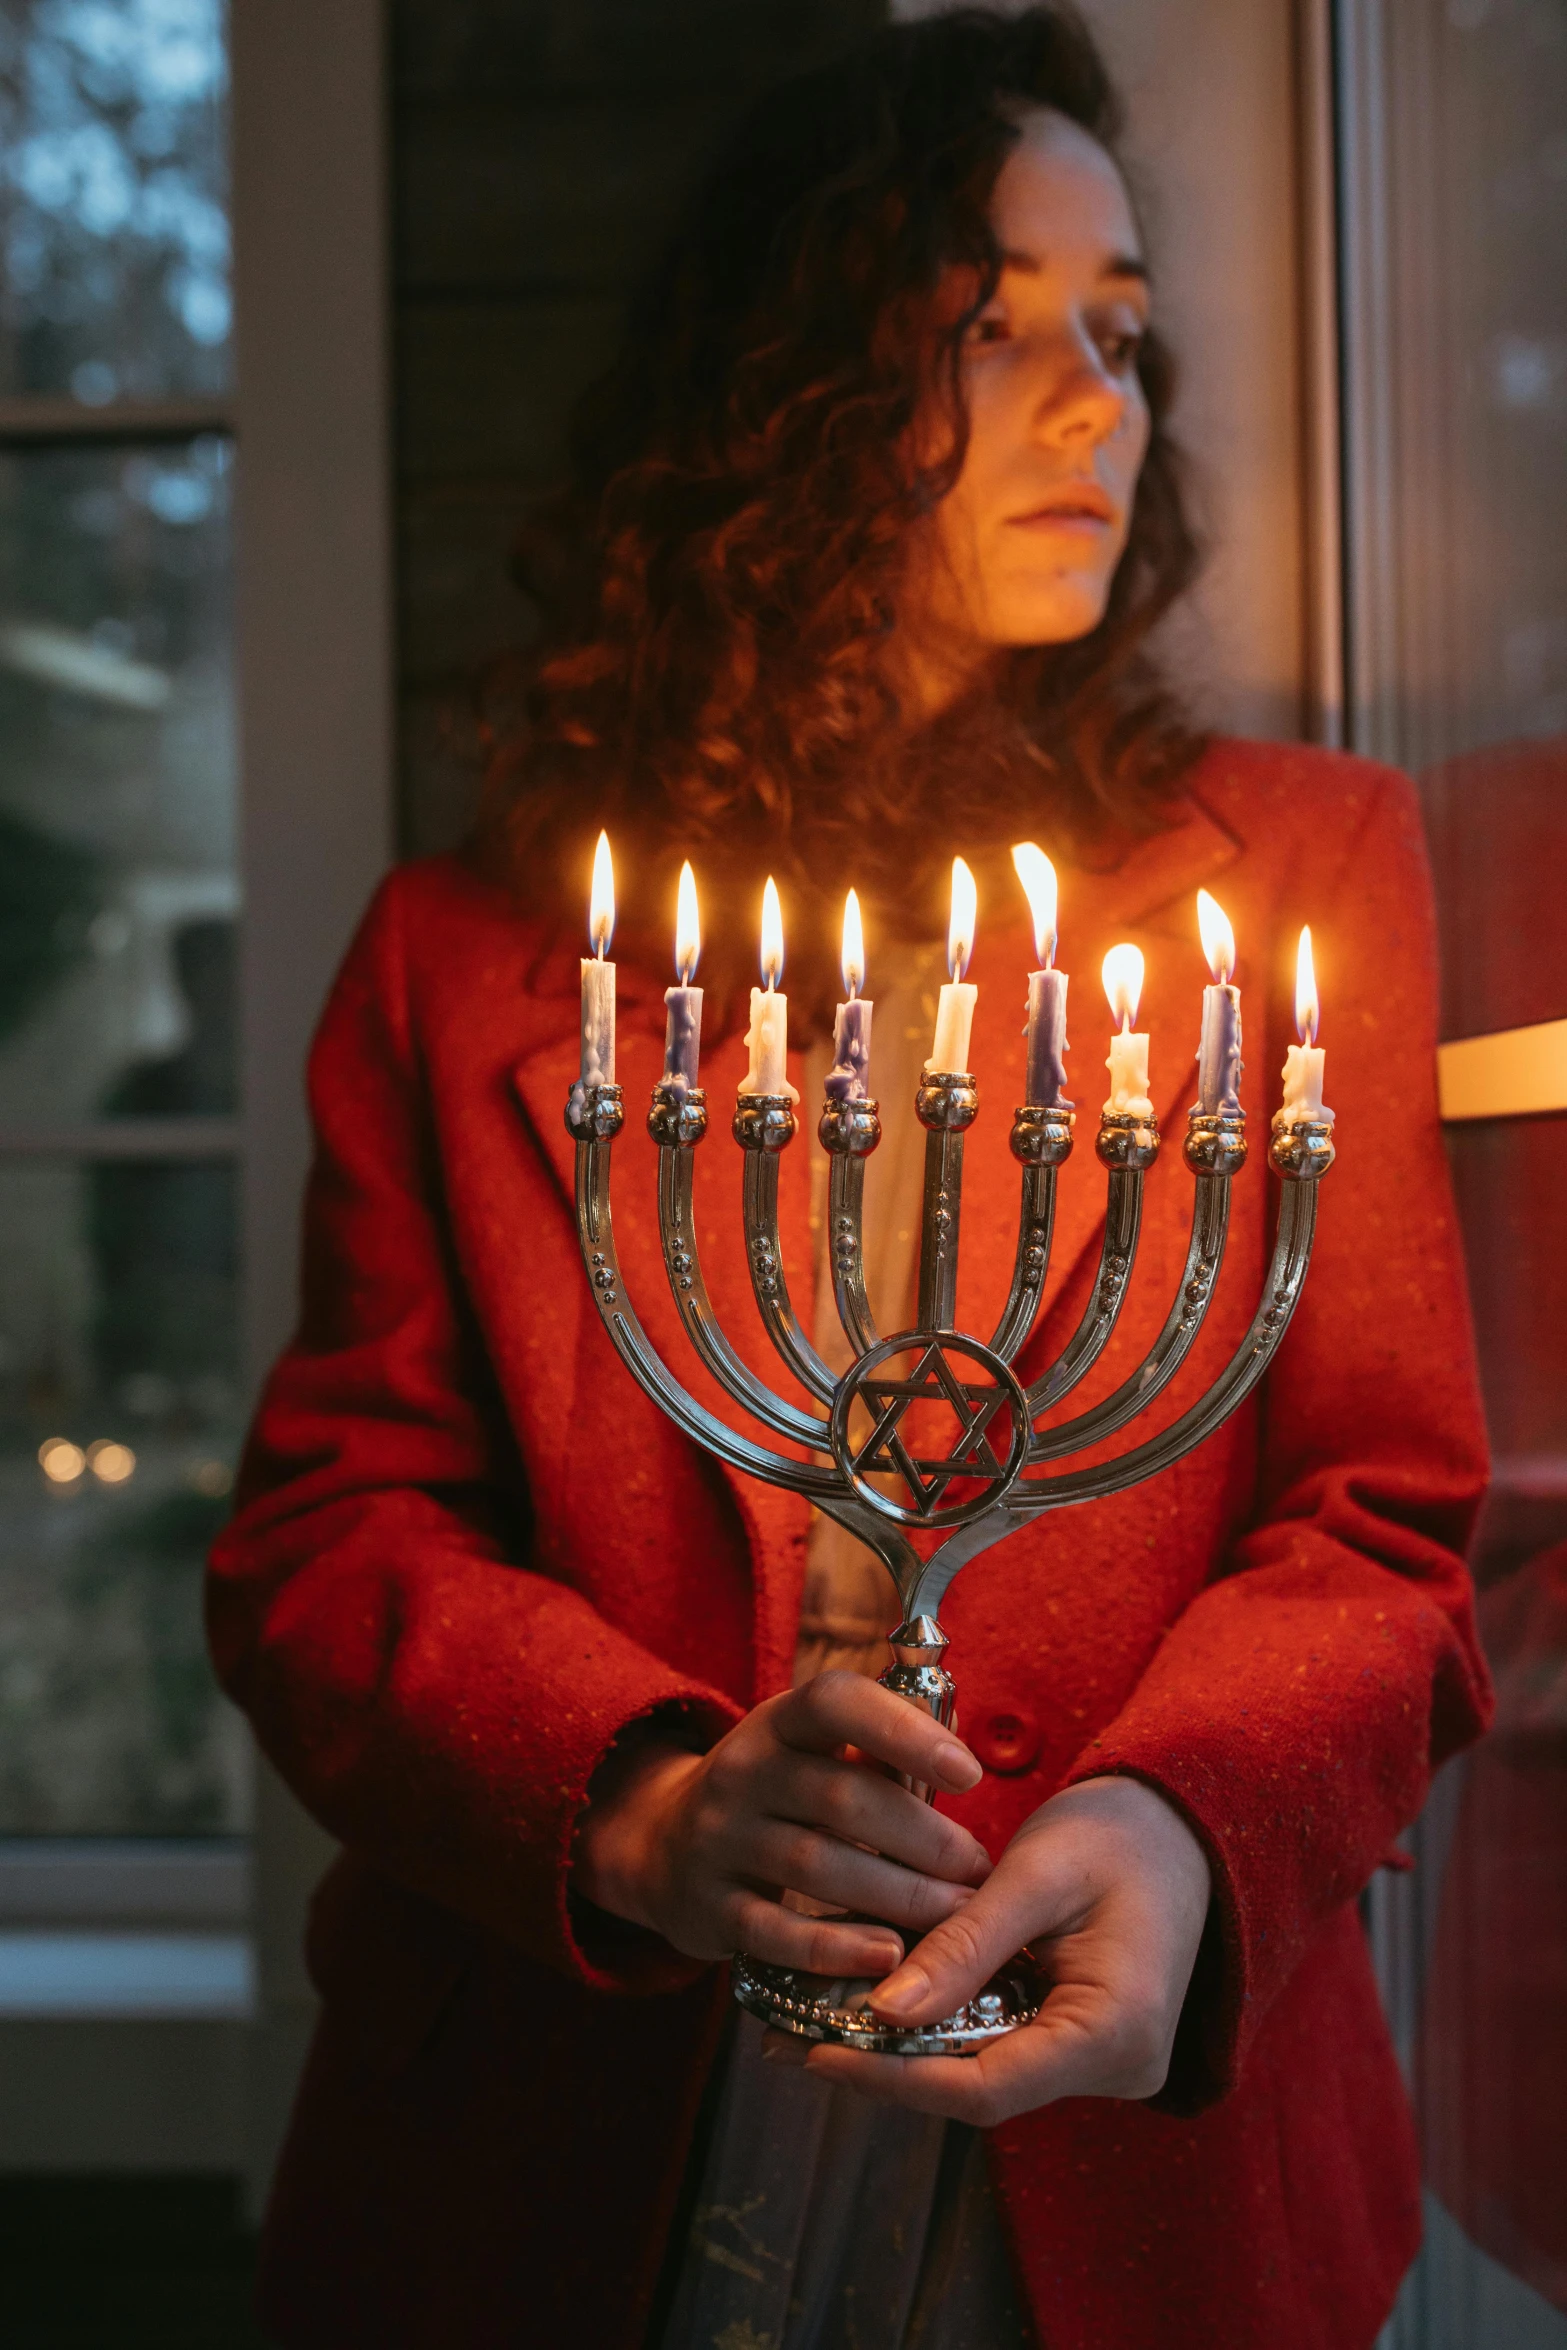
[699, 1846]
[1109, 1878]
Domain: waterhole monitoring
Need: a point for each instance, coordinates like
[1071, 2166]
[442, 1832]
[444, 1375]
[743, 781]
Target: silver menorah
[870, 1466]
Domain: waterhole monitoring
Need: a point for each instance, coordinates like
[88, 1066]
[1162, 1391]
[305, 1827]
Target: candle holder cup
[872, 1463]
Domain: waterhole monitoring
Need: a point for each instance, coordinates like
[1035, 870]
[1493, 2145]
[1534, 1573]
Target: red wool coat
[469, 1552]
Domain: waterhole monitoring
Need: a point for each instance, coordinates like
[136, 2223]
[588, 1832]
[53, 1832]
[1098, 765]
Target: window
[120, 1382]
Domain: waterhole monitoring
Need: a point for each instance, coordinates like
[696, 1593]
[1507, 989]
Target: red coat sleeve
[437, 1705]
[1296, 1710]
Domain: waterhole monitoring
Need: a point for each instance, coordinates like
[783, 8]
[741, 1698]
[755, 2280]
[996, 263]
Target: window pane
[119, 1415]
[1456, 222]
[114, 245]
[117, 801]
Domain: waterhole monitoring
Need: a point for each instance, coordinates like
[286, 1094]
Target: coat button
[1007, 1741]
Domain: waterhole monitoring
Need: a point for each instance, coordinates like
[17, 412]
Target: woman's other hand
[699, 1847]
[1111, 1886]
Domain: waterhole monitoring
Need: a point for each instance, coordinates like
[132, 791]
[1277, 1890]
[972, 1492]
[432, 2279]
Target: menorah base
[835, 2008]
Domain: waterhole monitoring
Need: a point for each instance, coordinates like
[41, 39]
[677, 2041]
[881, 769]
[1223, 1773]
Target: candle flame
[963, 921]
[1218, 939]
[853, 946]
[772, 934]
[1038, 876]
[1123, 977]
[601, 903]
[1305, 991]
[688, 927]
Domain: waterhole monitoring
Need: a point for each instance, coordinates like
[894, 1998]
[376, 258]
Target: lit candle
[955, 1007]
[768, 1034]
[847, 1079]
[683, 1004]
[1045, 1084]
[1128, 1062]
[1303, 1062]
[598, 976]
[1219, 1055]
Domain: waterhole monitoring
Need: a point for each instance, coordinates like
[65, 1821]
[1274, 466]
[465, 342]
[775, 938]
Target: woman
[866, 540]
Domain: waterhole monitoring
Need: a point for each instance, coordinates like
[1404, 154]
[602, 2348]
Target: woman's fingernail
[901, 1991]
[884, 1957]
[956, 1762]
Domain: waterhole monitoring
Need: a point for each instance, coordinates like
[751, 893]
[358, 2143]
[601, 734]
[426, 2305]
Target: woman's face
[1025, 545]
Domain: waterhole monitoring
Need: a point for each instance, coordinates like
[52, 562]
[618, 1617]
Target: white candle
[1303, 1062]
[768, 1035]
[954, 1019]
[955, 1005]
[1044, 1083]
[1128, 1062]
[1219, 1053]
[597, 1065]
[1303, 1085]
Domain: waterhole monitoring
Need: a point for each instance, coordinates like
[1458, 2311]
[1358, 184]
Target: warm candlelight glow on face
[1038, 876]
[964, 919]
[1123, 977]
[688, 927]
[772, 934]
[1218, 939]
[1305, 991]
[853, 946]
[601, 904]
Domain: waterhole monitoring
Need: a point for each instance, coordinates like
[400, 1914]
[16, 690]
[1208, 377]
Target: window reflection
[119, 1418]
[117, 797]
[1455, 120]
[113, 199]
[119, 1396]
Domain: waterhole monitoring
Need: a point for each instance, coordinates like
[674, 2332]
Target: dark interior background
[540, 151]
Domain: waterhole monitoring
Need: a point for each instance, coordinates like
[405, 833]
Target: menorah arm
[849, 1132]
[676, 1132]
[594, 1116]
[1286, 1274]
[1301, 1154]
[1036, 1224]
[1041, 1142]
[1117, 1254]
[946, 1104]
[764, 1126]
[1215, 1149]
[929, 1587]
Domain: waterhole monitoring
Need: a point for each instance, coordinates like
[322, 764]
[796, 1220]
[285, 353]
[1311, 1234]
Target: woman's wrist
[616, 1857]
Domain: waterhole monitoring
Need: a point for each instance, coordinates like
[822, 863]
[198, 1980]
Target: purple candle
[1045, 1087]
[847, 1079]
[683, 1004]
[1219, 1054]
[1045, 1083]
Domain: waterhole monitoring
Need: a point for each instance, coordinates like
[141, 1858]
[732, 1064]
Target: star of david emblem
[982, 1420]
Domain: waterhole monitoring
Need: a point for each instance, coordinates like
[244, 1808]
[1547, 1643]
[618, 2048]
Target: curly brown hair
[720, 577]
